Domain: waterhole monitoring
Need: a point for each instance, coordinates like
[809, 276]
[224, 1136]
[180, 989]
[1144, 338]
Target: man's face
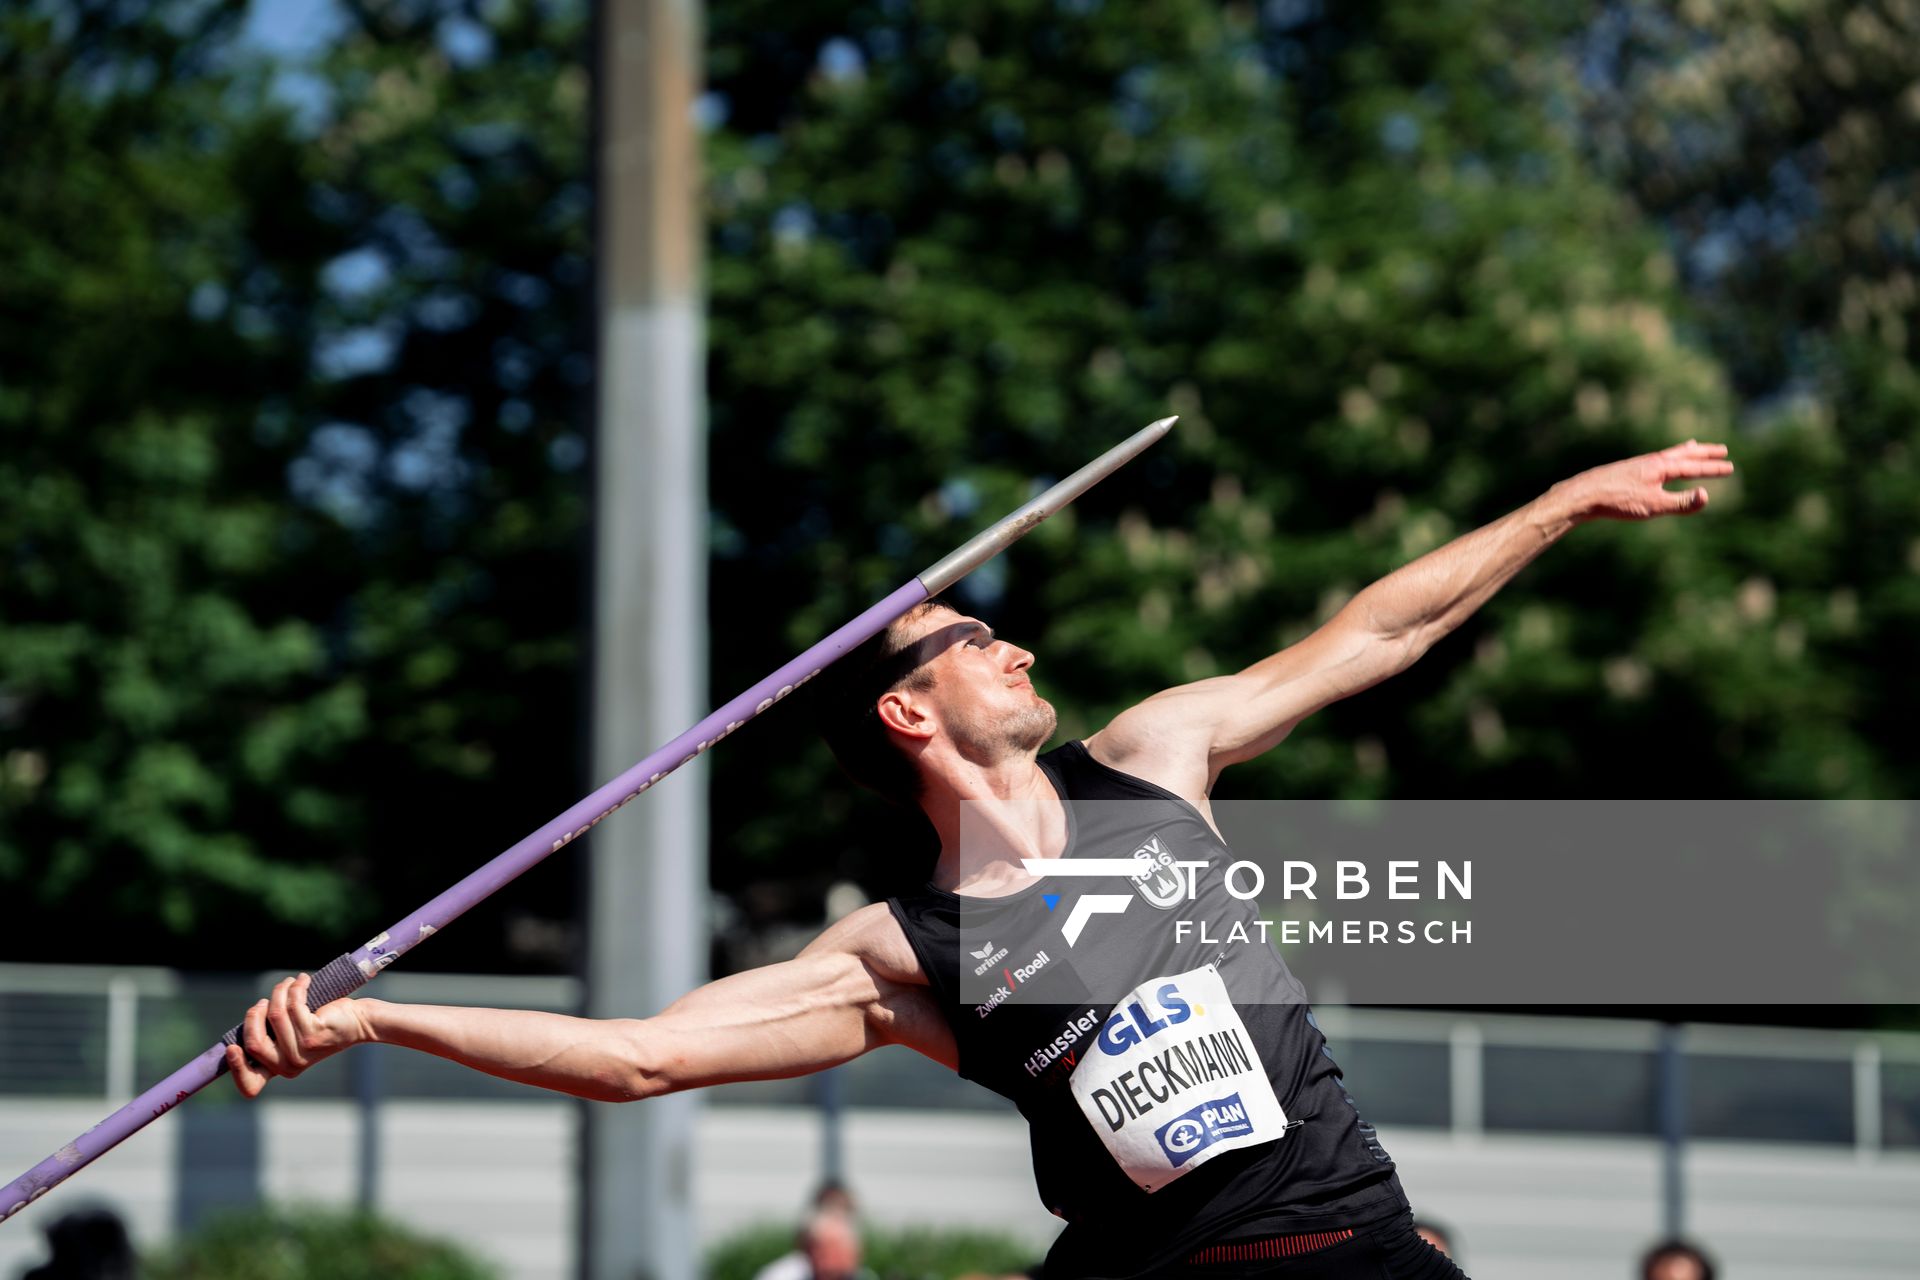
[832, 1247]
[981, 694]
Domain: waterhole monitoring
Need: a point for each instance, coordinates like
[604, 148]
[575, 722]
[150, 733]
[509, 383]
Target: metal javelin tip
[1003, 533]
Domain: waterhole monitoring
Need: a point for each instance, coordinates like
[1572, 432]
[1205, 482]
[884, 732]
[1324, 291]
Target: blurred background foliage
[291, 1243]
[295, 384]
[901, 1254]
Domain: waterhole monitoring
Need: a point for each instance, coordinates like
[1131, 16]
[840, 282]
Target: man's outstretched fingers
[249, 1079]
[300, 1006]
[254, 1038]
[293, 1057]
[307, 1030]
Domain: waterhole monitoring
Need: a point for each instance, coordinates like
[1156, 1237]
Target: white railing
[100, 1031]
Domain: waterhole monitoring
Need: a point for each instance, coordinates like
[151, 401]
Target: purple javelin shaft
[349, 972]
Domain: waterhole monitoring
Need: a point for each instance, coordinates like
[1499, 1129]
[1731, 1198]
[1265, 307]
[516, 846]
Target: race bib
[1172, 1080]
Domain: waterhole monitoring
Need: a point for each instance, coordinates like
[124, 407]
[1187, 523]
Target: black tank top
[1022, 1017]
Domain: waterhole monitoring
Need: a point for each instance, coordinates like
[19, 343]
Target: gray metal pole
[647, 874]
[365, 1069]
[829, 1090]
[1673, 1132]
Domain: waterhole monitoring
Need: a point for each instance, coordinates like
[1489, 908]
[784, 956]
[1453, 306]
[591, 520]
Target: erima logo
[988, 957]
[1014, 977]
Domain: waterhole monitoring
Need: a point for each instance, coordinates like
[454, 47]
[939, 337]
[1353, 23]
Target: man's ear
[901, 712]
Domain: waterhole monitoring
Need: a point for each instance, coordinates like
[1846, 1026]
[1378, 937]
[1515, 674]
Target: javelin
[348, 973]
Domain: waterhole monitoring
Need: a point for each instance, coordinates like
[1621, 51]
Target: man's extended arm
[853, 989]
[1183, 737]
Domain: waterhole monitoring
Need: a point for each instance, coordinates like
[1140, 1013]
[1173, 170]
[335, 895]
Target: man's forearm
[589, 1058]
[1424, 600]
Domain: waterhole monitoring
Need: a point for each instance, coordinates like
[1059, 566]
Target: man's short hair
[847, 695]
[1673, 1250]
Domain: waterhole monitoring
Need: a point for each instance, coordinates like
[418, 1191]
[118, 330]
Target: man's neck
[990, 818]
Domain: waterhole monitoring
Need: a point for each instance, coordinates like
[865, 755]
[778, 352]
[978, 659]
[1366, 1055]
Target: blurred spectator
[1675, 1260]
[1434, 1234]
[827, 1248]
[87, 1244]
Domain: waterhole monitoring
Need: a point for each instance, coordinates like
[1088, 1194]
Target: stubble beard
[1022, 732]
[1028, 730]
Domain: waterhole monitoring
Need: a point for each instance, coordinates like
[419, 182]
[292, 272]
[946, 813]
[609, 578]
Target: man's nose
[1021, 659]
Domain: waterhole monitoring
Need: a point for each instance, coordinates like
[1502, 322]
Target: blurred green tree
[1362, 252]
[1777, 146]
[303, 1243]
[1386, 260]
[162, 693]
[295, 360]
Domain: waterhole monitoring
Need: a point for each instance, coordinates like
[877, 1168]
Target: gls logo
[1132, 1025]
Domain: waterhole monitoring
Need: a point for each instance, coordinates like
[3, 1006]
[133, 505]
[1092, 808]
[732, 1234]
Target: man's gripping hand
[300, 1037]
[1636, 489]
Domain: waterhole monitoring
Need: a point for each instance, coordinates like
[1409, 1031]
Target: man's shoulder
[1154, 744]
[1067, 752]
[908, 1012]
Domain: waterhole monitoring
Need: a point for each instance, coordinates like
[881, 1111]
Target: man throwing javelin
[1192, 1123]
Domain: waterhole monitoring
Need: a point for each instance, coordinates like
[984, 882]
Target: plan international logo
[1210, 1122]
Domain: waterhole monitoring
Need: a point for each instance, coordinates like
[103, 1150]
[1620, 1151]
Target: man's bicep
[850, 991]
[1342, 658]
[789, 1019]
[1195, 730]
[907, 1012]
[1261, 705]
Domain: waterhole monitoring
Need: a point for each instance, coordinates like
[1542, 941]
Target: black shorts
[1387, 1250]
